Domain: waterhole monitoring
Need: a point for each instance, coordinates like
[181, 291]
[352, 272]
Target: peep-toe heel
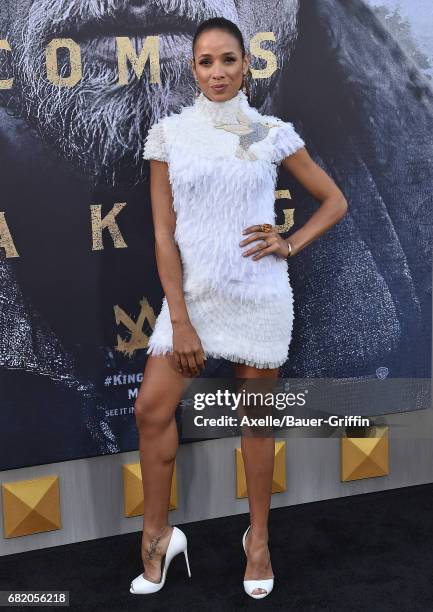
[267, 584]
[177, 544]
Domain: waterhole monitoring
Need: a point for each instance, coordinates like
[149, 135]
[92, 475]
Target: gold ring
[266, 227]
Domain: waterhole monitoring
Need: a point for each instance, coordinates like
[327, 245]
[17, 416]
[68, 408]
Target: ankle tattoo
[149, 554]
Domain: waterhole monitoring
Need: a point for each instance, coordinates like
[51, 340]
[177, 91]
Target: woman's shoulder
[160, 132]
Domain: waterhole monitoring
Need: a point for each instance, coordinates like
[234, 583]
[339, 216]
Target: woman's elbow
[344, 207]
[341, 206]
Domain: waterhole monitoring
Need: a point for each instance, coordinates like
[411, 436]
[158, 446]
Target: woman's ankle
[151, 531]
[259, 532]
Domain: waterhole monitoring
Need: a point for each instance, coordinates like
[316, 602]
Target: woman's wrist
[177, 309]
[177, 321]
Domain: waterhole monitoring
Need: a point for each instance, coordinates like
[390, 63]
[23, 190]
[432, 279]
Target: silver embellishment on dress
[248, 132]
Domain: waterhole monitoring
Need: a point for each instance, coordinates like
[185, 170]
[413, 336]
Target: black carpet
[371, 552]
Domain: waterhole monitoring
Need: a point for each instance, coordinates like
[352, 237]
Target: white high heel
[250, 585]
[176, 545]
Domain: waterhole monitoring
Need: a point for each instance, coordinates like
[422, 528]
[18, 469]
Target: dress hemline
[159, 350]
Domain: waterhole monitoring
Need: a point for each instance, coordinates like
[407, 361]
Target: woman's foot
[258, 559]
[154, 544]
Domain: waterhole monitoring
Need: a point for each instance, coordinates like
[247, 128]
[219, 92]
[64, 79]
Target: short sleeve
[286, 141]
[154, 144]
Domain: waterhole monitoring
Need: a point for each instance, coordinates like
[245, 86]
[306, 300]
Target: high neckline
[224, 111]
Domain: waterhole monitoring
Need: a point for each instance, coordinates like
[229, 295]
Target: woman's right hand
[187, 349]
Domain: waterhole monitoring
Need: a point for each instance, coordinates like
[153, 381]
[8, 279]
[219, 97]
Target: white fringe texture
[215, 196]
[255, 335]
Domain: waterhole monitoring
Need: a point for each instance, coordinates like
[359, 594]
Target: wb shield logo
[382, 372]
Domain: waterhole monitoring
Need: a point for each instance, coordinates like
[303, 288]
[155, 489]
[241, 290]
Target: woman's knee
[150, 413]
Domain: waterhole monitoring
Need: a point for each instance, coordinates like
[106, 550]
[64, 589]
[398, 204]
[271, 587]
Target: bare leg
[258, 454]
[160, 392]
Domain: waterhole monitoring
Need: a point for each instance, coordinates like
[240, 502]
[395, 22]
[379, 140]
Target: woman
[223, 268]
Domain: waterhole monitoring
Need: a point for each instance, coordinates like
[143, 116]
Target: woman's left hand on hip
[266, 243]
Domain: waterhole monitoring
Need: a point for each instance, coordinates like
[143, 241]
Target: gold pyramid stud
[367, 456]
[31, 506]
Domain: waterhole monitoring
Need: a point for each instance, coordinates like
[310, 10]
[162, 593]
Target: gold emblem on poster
[137, 338]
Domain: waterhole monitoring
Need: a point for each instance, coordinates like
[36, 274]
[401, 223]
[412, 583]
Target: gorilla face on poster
[73, 316]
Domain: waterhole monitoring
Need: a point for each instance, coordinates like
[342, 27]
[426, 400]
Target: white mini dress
[222, 160]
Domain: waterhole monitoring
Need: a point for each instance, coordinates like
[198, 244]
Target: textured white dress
[223, 159]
